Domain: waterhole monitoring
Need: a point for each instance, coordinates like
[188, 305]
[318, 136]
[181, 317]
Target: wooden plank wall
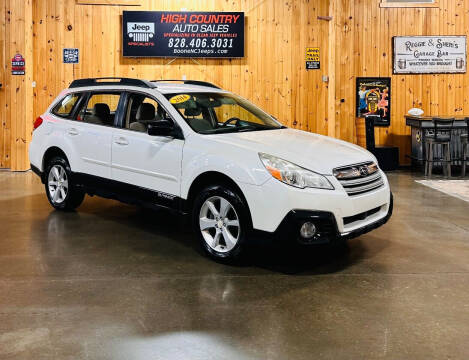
[4, 126]
[272, 74]
[16, 94]
[365, 49]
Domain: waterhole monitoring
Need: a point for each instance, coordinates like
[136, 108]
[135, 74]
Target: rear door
[149, 162]
[92, 132]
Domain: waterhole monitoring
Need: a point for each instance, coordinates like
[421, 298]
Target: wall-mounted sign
[429, 54]
[17, 65]
[70, 56]
[183, 34]
[312, 58]
[374, 98]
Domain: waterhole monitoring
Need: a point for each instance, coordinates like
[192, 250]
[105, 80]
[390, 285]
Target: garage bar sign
[183, 34]
[429, 54]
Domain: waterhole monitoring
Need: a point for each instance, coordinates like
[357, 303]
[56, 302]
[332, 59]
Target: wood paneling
[366, 50]
[4, 126]
[356, 42]
[272, 74]
[16, 94]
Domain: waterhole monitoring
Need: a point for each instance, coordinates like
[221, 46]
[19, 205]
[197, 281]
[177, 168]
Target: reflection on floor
[456, 188]
[112, 281]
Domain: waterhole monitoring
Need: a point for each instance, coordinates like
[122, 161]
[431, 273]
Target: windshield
[215, 113]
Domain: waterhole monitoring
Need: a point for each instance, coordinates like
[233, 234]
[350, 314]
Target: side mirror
[161, 128]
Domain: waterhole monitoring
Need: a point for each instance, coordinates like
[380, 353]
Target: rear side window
[65, 106]
[100, 109]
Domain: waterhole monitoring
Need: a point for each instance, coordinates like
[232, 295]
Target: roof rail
[111, 81]
[190, 82]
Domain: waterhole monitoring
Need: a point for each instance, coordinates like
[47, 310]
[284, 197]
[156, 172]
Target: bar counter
[420, 126]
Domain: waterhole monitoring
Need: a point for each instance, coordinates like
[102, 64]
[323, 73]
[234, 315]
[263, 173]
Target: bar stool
[465, 150]
[440, 135]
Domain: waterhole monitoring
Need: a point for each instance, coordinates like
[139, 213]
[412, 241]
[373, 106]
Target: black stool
[464, 144]
[440, 135]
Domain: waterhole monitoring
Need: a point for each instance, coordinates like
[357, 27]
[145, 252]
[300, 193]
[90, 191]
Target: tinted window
[65, 106]
[100, 109]
[142, 110]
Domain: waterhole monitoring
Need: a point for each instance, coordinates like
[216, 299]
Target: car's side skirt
[128, 193]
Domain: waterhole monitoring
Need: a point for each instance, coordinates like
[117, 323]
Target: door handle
[121, 141]
[73, 131]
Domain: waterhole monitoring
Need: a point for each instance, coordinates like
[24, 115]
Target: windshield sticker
[178, 99]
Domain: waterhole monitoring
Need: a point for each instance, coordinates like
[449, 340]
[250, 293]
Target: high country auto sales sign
[183, 34]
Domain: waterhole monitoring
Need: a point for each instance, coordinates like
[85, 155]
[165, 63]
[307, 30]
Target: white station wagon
[194, 148]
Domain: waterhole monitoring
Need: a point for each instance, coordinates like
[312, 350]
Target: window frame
[386, 4]
[86, 98]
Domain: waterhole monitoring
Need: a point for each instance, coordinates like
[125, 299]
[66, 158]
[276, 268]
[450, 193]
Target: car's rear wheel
[222, 222]
[61, 191]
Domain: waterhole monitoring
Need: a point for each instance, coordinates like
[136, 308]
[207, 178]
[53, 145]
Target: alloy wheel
[219, 224]
[58, 184]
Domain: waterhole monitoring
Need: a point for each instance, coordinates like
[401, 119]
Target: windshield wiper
[258, 128]
[247, 128]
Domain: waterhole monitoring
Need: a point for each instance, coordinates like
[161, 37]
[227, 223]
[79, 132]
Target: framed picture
[374, 98]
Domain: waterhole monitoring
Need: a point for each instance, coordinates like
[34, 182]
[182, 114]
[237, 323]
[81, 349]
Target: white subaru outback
[194, 148]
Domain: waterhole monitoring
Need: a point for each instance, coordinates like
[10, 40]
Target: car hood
[311, 151]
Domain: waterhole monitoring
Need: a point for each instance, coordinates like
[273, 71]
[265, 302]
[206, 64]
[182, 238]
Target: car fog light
[308, 230]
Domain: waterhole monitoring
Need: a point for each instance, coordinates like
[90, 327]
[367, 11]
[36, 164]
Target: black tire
[74, 195]
[241, 210]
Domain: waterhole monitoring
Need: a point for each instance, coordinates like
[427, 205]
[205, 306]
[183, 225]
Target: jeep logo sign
[140, 27]
[140, 31]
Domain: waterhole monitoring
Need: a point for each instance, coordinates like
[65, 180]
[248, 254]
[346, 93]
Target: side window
[65, 106]
[198, 111]
[100, 109]
[142, 110]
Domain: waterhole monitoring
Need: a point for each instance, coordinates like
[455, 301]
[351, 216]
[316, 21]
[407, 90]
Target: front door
[149, 162]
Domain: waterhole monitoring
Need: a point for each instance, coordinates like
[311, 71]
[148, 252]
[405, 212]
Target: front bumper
[272, 201]
[326, 225]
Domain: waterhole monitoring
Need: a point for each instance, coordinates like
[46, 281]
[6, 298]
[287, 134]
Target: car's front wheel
[222, 222]
[62, 193]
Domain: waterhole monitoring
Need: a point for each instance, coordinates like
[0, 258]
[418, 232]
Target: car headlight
[294, 175]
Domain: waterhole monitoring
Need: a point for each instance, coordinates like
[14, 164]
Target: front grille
[359, 178]
[362, 216]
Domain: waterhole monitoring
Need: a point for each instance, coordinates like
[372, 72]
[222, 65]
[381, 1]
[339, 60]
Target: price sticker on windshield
[178, 99]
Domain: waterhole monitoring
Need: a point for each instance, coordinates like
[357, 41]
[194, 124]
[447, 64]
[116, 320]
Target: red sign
[17, 65]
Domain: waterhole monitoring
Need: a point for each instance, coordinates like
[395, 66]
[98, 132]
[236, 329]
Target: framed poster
[429, 54]
[374, 98]
[195, 34]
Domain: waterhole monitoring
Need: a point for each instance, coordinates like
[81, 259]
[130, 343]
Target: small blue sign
[70, 56]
